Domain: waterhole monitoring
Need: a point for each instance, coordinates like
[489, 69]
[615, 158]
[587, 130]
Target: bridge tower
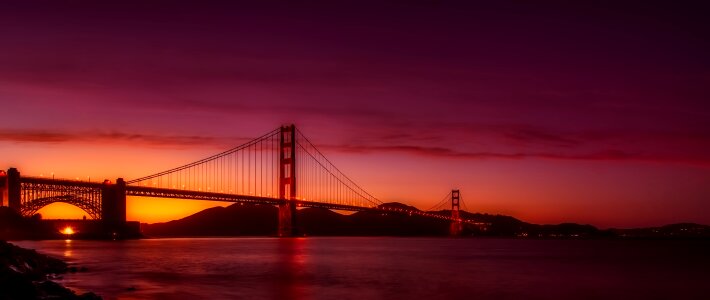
[287, 181]
[456, 224]
[13, 189]
[3, 187]
[113, 207]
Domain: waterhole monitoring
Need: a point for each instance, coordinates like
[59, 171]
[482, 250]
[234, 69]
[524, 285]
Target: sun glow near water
[68, 231]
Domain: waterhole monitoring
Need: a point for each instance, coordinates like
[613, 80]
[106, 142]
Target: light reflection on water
[67, 248]
[384, 268]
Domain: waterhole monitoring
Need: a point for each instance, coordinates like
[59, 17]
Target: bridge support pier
[113, 208]
[287, 181]
[14, 200]
[287, 219]
[456, 226]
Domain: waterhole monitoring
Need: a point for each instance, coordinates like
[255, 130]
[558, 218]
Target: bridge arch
[31, 207]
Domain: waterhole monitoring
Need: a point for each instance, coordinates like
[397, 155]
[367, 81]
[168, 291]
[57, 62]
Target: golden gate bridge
[281, 168]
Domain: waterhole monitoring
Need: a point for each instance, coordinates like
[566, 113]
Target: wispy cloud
[519, 141]
[503, 142]
[45, 136]
[602, 155]
[529, 135]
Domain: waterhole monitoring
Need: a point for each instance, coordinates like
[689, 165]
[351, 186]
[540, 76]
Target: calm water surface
[386, 268]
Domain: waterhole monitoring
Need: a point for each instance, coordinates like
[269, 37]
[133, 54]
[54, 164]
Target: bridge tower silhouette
[456, 223]
[287, 181]
[13, 189]
[3, 185]
[113, 206]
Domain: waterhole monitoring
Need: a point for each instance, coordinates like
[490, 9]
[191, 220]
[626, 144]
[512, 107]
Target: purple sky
[592, 112]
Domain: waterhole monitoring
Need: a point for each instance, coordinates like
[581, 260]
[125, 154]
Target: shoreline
[28, 274]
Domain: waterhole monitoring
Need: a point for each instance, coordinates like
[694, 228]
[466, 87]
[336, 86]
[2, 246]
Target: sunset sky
[550, 112]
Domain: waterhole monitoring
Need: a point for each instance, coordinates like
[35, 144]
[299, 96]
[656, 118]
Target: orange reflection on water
[67, 249]
[292, 267]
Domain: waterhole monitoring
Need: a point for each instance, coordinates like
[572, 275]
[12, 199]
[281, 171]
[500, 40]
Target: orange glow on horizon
[155, 210]
[60, 210]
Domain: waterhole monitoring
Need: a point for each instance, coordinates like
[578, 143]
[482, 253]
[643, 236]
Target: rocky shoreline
[26, 274]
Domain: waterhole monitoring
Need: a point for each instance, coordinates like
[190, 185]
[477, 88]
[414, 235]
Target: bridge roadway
[69, 186]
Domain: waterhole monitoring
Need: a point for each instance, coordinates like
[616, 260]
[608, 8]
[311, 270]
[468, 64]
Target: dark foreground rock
[24, 275]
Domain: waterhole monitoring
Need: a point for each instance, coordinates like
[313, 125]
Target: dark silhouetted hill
[236, 219]
[247, 219]
[250, 219]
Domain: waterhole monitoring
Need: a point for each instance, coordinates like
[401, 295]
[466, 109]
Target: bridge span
[281, 168]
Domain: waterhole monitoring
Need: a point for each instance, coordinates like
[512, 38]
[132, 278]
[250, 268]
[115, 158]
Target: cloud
[489, 142]
[34, 136]
[529, 135]
[520, 141]
[601, 155]
[45, 136]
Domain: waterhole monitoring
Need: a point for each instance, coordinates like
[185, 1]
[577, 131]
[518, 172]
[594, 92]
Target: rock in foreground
[23, 275]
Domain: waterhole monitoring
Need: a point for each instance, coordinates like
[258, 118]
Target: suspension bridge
[281, 168]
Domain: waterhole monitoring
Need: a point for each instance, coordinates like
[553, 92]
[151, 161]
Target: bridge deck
[211, 196]
[143, 191]
[60, 182]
